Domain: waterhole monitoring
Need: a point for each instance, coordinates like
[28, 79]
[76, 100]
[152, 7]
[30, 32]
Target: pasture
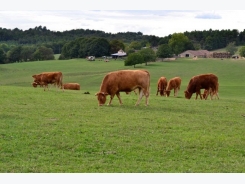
[67, 132]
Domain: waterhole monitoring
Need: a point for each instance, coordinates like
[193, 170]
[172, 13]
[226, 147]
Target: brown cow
[161, 85]
[173, 83]
[211, 93]
[203, 81]
[45, 78]
[71, 86]
[125, 81]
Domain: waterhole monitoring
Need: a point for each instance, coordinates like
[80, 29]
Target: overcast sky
[102, 17]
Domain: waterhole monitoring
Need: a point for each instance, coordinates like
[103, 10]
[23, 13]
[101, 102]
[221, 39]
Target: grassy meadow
[67, 132]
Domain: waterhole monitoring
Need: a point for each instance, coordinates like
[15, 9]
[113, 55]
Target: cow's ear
[34, 76]
[96, 94]
[105, 93]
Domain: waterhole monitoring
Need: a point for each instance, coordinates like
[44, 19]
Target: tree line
[39, 43]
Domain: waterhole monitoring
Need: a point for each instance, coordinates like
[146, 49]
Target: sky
[118, 16]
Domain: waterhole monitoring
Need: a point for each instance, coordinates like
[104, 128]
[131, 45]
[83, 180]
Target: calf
[173, 83]
[161, 85]
[71, 86]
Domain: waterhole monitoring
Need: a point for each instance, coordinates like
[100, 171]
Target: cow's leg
[198, 92]
[210, 91]
[146, 98]
[217, 95]
[196, 95]
[140, 96]
[119, 98]
[177, 90]
[111, 98]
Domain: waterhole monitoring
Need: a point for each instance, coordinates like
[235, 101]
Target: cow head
[101, 96]
[34, 84]
[187, 94]
[167, 93]
[161, 92]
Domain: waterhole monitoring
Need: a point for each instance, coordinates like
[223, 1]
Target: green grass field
[64, 132]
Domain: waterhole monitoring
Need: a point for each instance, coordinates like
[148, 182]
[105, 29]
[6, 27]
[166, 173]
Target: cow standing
[211, 93]
[124, 81]
[161, 85]
[45, 78]
[173, 83]
[71, 86]
[203, 81]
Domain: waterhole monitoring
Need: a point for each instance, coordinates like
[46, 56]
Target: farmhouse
[195, 53]
[120, 53]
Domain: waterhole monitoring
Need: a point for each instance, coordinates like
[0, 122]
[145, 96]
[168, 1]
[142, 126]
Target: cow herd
[56, 78]
[131, 80]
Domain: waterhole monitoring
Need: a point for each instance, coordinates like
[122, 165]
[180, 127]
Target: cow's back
[126, 80]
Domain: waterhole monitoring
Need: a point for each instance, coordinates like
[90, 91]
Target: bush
[133, 59]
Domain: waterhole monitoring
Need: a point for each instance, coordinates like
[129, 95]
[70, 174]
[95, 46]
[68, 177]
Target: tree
[115, 46]
[242, 51]
[231, 48]
[130, 51]
[148, 55]
[43, 53]
[98, 47]
[179, 43]
[133, 59]
[2, 56]
[14, 54]
[135, 45]
[27, 53]
[164, 51]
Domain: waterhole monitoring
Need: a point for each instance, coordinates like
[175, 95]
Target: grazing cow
[212, 93]
[71, 86]
[45, 78]
[161, 85]
[203, 81]
[173, 83]
[125, 81]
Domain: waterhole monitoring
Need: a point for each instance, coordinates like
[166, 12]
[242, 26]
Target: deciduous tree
[164, 51]
[148, 55]
[133, 59]
[242, 51]
[231, 47]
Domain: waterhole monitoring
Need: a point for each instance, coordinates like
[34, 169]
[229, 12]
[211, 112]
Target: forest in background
[40, 43]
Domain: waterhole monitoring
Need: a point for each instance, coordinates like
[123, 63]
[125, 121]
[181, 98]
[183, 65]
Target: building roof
[120, 53]
[197, 52]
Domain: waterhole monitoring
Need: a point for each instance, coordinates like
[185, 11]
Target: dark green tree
[2, 56]
[27, 53]
[116, 45]
[14, 54]
[43, 53]
[164, 51]
[179, 43]
[133, 59]
[148, 55]
[130, 51]
[242, 51]
[136, 45]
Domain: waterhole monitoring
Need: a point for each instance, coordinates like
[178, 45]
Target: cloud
[208, 16]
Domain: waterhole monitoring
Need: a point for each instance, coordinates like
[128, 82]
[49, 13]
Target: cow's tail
[148, 86]
[60, 84]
